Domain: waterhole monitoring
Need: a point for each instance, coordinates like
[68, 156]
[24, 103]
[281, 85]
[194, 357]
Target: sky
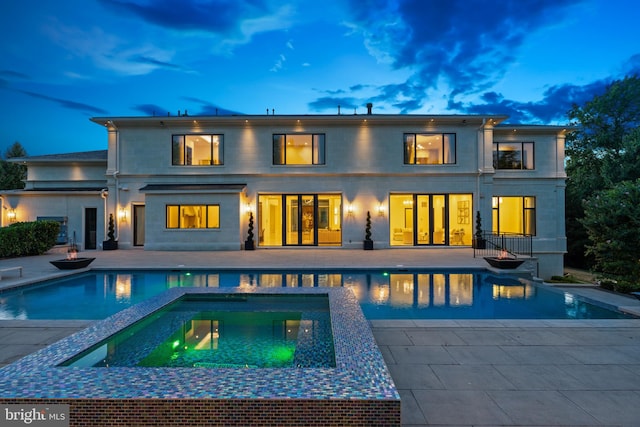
[63, 62]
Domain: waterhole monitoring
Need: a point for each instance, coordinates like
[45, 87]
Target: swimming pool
[223, 331]
[382, 294]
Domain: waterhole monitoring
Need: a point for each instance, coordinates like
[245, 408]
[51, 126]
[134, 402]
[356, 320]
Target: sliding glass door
[300, 220]
[430, 219]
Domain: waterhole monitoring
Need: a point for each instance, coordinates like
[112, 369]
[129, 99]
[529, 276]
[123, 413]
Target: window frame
[444, 147]
[496, 151]
[182, 150]
[180, 224]
[318, 149]
[529, 214]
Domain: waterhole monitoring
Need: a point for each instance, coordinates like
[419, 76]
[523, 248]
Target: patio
[448, 373]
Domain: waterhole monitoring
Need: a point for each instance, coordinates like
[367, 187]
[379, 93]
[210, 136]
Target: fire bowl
[504, 263]
[72, 264]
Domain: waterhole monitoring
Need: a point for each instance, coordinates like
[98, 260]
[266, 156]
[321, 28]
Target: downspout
[115, 178]
[479, 164]
[115, 213]
[104, 194]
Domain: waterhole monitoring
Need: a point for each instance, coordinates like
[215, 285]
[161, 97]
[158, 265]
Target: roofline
[58, 158]
[165, 121]
[506, 127]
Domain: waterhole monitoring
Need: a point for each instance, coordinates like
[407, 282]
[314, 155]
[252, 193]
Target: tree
[12, 174]
[603, 151]
[612, 221]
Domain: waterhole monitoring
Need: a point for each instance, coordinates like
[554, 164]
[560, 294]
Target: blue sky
[63, 62]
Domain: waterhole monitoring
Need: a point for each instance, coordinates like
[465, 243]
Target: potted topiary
[110, 244]
[368, 243]
[249, 244]
[478, 239]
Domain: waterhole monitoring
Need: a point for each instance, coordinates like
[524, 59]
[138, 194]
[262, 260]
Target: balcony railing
[515, 245]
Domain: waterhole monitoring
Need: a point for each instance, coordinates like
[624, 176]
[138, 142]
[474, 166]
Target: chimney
[369, 107]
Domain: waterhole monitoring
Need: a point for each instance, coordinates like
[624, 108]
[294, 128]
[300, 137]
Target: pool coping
[360, 372]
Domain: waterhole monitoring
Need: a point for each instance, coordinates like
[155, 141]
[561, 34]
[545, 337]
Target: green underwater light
[282, 354]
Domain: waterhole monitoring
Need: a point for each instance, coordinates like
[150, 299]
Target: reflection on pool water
[223, 331]
[383, 294]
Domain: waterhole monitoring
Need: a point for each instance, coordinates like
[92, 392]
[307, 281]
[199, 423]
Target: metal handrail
[497, 244]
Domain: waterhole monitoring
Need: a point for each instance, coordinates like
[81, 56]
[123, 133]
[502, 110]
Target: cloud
[279, 64]
[209, 109]
[150, 109]
[109, 52]
[65, 103]
[232, 22]
[155, 62]
[552, 108]
[10, 74]
[442, 46]
[556, 102]
[332, 103]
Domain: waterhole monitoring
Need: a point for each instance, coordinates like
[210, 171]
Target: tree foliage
[12, 174]
[612, 221]
[603, 151]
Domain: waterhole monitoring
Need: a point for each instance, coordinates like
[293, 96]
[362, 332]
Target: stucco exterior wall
[364, 165]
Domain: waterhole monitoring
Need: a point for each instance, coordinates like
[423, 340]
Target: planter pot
[479, 244]
[249, 245]
[109, 245]
[367, 245]
[72, 264]
[504, 263]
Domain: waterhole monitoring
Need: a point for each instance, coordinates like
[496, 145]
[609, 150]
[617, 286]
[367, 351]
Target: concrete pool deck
[448, 372]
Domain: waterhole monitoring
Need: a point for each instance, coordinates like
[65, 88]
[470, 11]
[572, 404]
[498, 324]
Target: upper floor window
[298, 149]
[429, 149]
[193, 216]
[197, 150]
[513, 155]
[514, 215]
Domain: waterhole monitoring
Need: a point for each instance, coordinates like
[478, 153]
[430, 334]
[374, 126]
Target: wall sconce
[247, 208]
[350, 210]
[380, 209]
[12, 215]
[122, 214]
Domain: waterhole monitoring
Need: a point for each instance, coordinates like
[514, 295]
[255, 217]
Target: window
[197, 150]
[513, 155]
[514, 215]
[298, 149]
[429, 149]
[193, 216]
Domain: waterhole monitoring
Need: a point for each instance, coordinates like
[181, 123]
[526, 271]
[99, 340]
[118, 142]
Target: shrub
[28, 238]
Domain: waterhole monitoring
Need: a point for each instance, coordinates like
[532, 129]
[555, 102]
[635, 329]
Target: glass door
[308, 220]
[439, 212]
[423, 219]
[292, 222]
[418, 219]
[300, 219]
[300, 214]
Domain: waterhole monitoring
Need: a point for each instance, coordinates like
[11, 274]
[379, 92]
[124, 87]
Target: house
[189, 183]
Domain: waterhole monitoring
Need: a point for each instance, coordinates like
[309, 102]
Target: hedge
[28, 238]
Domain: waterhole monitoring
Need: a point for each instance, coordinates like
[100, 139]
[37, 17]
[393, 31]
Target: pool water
[223, 332]
[382, 294]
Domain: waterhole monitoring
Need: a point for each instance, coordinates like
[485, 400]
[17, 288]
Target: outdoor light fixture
[122, 214]
[350, 210]
[247, 208]
[11, 215]
[380, 209]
